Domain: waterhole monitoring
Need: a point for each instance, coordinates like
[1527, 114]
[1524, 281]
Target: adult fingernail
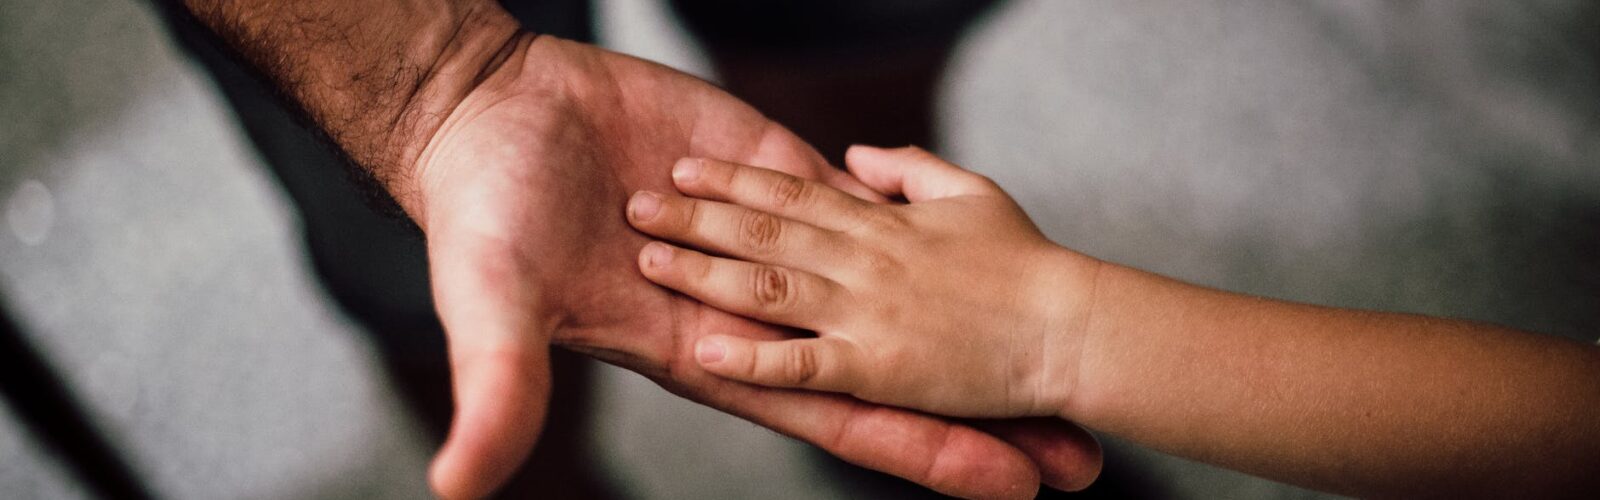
[687, 170]
[710, 351]
[657, 254]
[644, 205]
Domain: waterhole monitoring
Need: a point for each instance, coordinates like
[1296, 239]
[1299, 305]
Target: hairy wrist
[378, 77]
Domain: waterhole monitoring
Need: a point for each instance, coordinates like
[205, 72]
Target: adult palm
[521, 195]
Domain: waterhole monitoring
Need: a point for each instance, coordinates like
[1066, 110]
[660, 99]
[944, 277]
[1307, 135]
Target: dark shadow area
[1121, 479]
[54, 417]
[836, 72]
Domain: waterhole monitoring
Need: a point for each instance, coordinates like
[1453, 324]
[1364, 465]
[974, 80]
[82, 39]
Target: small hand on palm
[522, 195]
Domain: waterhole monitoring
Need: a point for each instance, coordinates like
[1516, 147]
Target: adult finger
[1069, 457]
[499, 359]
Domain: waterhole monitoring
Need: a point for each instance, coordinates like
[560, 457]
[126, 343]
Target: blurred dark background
[201, 307]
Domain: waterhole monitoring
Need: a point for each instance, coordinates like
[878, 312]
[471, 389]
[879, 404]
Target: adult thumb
[500, 373]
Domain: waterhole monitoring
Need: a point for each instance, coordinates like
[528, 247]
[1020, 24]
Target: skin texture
[587, 130]
[1354, 402]
[514, 153]
[550, 146]
[867, 278]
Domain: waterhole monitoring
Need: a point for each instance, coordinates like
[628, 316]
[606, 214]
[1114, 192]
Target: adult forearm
[1363, 403]
[377, 76]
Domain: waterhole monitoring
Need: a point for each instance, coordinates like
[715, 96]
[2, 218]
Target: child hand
[954, 303]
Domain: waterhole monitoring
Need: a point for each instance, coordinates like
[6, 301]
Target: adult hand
[521, 194]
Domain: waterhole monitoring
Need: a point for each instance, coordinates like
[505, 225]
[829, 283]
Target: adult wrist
[484, 39]
[490, 44]
[377, 76]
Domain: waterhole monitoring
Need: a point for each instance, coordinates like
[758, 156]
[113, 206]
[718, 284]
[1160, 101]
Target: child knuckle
[801, 365]
[772, 288]
[690, 220]
[759, 233]
[878, 266]
[790, 192]
[879, 221]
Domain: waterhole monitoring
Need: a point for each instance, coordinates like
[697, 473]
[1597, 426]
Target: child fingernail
[687, 170]
[710, 351]
[644, 205]
[657, 254]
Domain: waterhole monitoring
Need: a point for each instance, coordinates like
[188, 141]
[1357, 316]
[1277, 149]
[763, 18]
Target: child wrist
[1069, 281]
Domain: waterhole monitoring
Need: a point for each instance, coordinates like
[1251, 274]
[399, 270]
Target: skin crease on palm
[521, 194]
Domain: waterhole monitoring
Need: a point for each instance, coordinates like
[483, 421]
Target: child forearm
[956, 304]
[1361, 403]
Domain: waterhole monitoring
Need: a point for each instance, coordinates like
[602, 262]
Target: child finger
[820, 364]
[913, 173]
[734, 231]
[769, 191]
[768, 293]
